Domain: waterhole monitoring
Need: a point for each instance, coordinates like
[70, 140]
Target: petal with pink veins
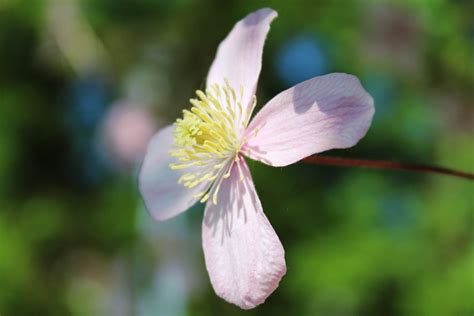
[239, 56]
[244, 257]
[326, 112]
[163, 196]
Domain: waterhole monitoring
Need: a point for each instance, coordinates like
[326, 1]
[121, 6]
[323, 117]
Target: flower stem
[384, 164]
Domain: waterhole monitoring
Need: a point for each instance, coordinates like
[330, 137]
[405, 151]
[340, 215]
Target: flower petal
[163, 196]
[244, 257]
[326, 112]
[239, 56]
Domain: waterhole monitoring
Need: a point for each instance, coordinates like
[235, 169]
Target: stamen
[209, 137]
[204, 199]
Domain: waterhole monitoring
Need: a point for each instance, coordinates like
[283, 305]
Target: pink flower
[126, 130]
[201, 157]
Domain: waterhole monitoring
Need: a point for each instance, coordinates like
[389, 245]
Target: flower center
[208, 138]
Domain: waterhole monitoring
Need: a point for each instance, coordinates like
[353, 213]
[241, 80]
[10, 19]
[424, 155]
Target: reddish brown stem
[383, 164]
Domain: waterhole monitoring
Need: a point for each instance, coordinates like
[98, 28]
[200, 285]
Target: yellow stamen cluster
[208, 138]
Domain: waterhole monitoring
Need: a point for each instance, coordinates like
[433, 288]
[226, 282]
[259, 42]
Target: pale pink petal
[327, 112]
[163, 196]
[239, 56]
[244, 257]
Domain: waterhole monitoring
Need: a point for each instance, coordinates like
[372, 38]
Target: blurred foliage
[357, 242]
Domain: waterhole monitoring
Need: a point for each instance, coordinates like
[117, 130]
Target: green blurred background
[84, 83]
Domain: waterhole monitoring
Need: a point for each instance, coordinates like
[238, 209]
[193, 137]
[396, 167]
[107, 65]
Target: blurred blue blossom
[301, 58]
[88, 96]
[86, 100]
